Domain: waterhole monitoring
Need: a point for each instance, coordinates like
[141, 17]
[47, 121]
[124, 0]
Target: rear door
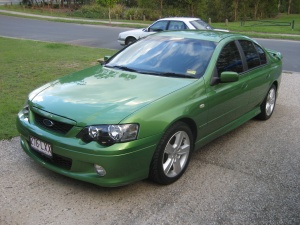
[258, 72]
[227, 101]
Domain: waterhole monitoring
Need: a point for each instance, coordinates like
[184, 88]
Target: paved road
[77, 34]
[249, 176]
[289, 49]
[106, 37]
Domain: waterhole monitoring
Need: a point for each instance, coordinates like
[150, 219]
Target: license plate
[41, 146]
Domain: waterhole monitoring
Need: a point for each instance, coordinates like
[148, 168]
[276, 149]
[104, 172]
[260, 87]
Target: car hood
[136, 32]
[99, 95]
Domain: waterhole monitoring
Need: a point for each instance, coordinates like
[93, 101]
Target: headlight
[109, 134]
[25, 111]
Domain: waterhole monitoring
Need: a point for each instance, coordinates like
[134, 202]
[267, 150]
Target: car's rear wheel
[268, 105]
[130, 40]
[172, 155]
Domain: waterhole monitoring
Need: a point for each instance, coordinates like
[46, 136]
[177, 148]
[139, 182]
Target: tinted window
[230, 59]
[159, 26]
[262, 54]
[251, 54]
[177, 25]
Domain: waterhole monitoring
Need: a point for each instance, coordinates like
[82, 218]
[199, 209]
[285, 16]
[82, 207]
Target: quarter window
[230, 59]
[262, 54]
[251, 54]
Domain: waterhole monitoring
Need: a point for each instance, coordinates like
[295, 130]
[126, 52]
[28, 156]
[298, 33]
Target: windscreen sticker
[192, 72]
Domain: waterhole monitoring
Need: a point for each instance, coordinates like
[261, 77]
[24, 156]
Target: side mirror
[228, 76]
[145, 29]
[107, 57]
[103, 60]
[279, 55]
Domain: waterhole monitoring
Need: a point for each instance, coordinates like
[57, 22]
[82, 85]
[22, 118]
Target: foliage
[25, 65]
[108, 3]
[134, 13]
[216, 10]
[91, 11]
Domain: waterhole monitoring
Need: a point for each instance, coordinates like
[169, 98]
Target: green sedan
[142, 112]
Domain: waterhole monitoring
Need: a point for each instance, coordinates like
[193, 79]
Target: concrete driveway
[249, 176]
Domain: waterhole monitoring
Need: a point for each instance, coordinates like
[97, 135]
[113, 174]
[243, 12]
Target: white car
[175, 23]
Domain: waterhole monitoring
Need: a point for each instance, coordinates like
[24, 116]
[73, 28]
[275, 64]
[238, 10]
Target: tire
[130, 40]
[268, 105]
[172, 154]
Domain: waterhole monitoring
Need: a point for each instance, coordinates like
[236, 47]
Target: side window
[251, 54]
[159, 26]
[177, 25]
[261, 53]
[229, 59]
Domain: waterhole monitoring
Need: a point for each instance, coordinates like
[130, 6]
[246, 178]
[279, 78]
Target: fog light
[100, 170]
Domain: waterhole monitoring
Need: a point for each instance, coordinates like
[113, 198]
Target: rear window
[200, 25]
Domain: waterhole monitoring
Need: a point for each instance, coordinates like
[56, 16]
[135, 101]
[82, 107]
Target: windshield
[165, 56]
[200, 25]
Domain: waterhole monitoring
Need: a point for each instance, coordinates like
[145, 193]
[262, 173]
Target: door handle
[244, 86]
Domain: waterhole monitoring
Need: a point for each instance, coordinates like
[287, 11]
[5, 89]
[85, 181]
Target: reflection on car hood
[100, 95]
[134, 32]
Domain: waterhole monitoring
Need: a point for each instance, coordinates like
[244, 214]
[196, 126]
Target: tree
[108, 3]
[289, 8]
[256, 5]
[235, 7]
[192, 5]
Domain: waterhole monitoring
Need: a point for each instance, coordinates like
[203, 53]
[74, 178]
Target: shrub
[135, 13]
[91, 11]
[117, 11]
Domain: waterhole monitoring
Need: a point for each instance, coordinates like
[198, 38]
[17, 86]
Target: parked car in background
[145, 109]
[166, 24]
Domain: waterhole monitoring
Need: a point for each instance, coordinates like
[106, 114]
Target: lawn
[25, 65]
[265, 27]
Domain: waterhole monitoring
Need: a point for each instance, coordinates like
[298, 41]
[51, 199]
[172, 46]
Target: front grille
[58, 127]
[57, 160]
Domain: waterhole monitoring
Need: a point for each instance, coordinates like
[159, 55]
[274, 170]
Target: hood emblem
[48, 123]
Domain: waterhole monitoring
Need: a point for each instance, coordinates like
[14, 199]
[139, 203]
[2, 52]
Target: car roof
[208, 35]
[181, 18]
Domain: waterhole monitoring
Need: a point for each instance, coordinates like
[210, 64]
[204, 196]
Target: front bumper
[124, 162]
[121, 41]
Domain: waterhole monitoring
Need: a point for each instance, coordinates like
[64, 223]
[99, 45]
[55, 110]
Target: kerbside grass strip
[26, 65]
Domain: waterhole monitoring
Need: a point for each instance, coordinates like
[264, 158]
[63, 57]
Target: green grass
[250, 27]
[26, 65]
[280, 32]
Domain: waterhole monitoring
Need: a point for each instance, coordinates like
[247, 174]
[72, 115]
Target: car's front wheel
[130, 40]
[268, 105]
[172, 155]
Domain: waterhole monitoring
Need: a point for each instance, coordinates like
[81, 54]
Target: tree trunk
[161, 7]
[236, 6]
[289, 8]
[109, 15]
[256, 4]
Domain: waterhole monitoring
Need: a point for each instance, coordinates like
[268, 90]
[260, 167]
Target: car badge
[48, 123]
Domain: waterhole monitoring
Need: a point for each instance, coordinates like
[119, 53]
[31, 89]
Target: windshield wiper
[122, 68]
[169, 74]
